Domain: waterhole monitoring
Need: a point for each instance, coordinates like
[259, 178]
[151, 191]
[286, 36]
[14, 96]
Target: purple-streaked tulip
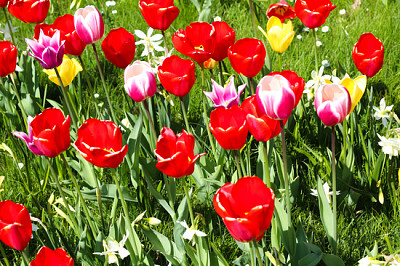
[28, 138]
[225, 96]
[275, 97]
[333, 103]
[49, 51]
[140, 82]
[89, 24]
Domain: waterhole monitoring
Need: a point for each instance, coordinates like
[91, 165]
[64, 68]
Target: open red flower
[260, 125]
[281, 10]
[29, 11]
[175, 153]
[245, 207]
[119, 47]
[177, 75]
[229, 127]
[65, 24]
[48, 257]
[8, 58]
[313, 13]
[247, 56]
[197, 41]
[296, 83]
[50, 131]
[224, 38]
[15, 225]
[368, 54]
[100, 143]
[159, 14]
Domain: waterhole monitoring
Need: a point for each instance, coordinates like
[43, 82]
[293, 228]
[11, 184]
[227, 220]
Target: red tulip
[224, 38]
[48, 257]
[65, 24]
[3, 3]
[313, 13]
[260, 125]
[119, 47]
[8, 58]
[245, 207]
[229, 127]
[159, 14]
[177, 75]
[368, 54]
[247, 56]
[281, 10]
[100, 143]
[29, 11]
[296, 83]
[15, 225]
[197, 41]
[175, 153]
[50, 131]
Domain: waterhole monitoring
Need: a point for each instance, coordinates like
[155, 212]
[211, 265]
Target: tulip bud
[368, 54]
[140, 82]
[89, 24]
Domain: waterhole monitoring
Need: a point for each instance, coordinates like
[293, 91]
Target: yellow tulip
[68, 71]
[279, 35]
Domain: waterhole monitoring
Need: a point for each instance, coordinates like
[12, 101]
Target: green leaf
[310, 260]
[332, 260]
[287, 233]
[326, 214]
[377, 167]
[108, 193]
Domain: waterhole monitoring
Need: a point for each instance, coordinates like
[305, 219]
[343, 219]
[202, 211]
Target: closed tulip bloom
[29, 11]
[50, 131]
[279, 35]
[159, 14]
[100, 143]
[224, 38]
[225, 96]
[210, 64]
[313, 13]
[48, 257]
[368, 54]
[8, 58]
[296, 83]
[197, 41]
[49, 51]
[229, 127]
[275, 97]
[65, 24]
[28, 138]
[89, 24]
[15, 225]
[332, 103]
[260, 125]
[177, 75]
[140, 82]
[3, 3]
[68, 71]
[247, 56]
[119, 47]
[175, 153]
[281, 10]
[246, 208]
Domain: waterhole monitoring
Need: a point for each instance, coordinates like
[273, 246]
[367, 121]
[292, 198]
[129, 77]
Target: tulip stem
[153, 130]
[253, 17]
[19, 100]
[252, 263]
[9, 26]
[25, 257]
[71, 217]
[316, 53]
[280, 61]
[267, 179]
[104, 83]
[334, 202]
[78, 190]
[64, 91]
[4, 255]
[165, 43]
[185, 116]
[86, 73]
[285, 174]
[257, 252]
[239, 172]
[221, 74]
[251, 85]
[205, 113]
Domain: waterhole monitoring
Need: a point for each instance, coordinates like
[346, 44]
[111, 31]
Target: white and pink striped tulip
[89, 24]
[140, 82]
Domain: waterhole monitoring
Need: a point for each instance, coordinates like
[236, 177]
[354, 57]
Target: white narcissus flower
[189, 233]
[328, 193]
[368, 261]
[112, 248]
[390, 146]
[7, 32]
[151, 43]
[383, 112]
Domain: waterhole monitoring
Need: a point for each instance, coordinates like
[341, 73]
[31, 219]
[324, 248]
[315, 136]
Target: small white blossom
[6, 31]
[20, 165]
[96, 95]
[325, 63]
[114, 11]
[325, 29]
[318, 43]
[342, 11]
[125, 123]
[151, 43]
[299, 37]
[389, 146]
[217, 18]
[383, 112]
[328, 193]
[307, 29]
[112, 248]
[110, 3]
[189, 233]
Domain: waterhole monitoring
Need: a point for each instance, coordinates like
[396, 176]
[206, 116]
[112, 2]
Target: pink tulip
[89, 24]
[28, 138]
[225, 96]
[333, 103]
[140, 82]
[275, 97]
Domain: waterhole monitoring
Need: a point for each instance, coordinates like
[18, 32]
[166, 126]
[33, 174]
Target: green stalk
[86, 73]
[165, 43]
[316, 53]
[19, 100]
[9, 26]
[66, 98]
[334, 201]
[239, 174]
[267, 179]
[25, 257]
[252, 263]
[4, 255]
[221, 74]
[185, 116]
[285, 174]
[206, 121]
[153, 130]
[104, 83]
[255, 245]
[251, 85]
[280, 61]
[253, 17]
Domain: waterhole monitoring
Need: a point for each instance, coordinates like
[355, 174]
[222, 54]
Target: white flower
[114, 11]
[112, 248]
[389, 146]
[316, 81]
[325, 63]
[110, 3]
[328, 193]
[41, 182]
[96, 95]
[306, 29]
[383, 112]
[20, 165]
[157, 61]
[325, 29]
[153, 221]
[217, 18]
[299, 37]
[342, 11]
[316, 29]
[6, 32]
[125, 123]
[1, 181]
[368, 261]
[189, 233]
[150, 43]
[318, 43]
